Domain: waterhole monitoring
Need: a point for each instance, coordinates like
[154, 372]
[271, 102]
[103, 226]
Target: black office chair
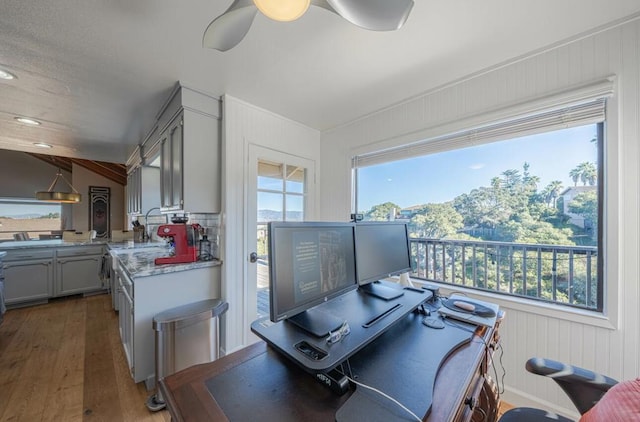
[585, 388]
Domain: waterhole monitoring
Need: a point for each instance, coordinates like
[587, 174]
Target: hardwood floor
[64, 362]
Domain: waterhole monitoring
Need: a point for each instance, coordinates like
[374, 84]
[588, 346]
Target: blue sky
[441, 177]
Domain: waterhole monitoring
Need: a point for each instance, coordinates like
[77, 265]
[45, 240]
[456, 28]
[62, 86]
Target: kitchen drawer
[27, 254]
[79, 251]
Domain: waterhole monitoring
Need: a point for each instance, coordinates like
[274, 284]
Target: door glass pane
[270, 176]
[269, 207]
[295, 208]
[281, 195]
[295, 179]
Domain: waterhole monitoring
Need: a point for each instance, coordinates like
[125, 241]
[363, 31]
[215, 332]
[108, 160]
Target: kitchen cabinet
[171, 166]
[78, 270]
[33, 275]
[141, 297]
[188, 130]
[134, 191]
[125, 316]
[28, 276]
[143, 189]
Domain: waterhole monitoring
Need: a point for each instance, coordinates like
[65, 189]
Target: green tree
[585, 204]
[436, 221]
[585, 172]
[551, 192]
[381, 212]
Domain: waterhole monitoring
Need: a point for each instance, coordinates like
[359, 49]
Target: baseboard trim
[519, 398]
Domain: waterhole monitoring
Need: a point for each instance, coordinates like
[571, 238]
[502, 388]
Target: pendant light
[282, 10]
[63, 197]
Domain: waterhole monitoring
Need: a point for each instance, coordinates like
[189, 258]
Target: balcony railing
[564, 275]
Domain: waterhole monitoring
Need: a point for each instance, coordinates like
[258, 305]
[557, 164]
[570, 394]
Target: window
[30, 216]
[498, 208]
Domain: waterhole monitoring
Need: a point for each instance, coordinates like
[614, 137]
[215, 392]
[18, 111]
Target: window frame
[608, 190]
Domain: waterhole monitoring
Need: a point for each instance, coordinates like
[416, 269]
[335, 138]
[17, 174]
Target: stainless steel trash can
[184, 336]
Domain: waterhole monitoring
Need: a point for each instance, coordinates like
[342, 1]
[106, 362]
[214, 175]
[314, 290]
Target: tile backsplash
[209, 221]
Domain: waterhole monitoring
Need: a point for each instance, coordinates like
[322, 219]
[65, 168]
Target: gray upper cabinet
[187, 134]
[143, 189]
[171, 166]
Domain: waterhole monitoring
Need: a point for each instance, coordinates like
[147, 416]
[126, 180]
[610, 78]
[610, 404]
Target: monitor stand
[316, 322]
[383, 292]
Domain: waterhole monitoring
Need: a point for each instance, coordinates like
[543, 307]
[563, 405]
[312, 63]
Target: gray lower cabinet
[34, 275]
[78, 270]
[28, 276]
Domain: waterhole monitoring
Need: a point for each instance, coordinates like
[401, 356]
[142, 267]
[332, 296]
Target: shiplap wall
[527, 331]
[245, 124]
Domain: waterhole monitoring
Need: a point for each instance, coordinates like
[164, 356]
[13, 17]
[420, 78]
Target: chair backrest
[121, 235]
[21, 236]
[77, 236]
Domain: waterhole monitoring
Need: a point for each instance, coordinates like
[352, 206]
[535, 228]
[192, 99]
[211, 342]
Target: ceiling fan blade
[376, 15]
[228, 29]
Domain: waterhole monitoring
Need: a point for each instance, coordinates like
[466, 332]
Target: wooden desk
[461, 379]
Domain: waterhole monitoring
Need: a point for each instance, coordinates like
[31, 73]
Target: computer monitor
[309, 264]
[382, 250]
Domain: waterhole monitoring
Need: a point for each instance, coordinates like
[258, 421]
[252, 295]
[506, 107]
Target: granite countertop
[53, 243]
[57, 243]
[139, 262]
[130, 244]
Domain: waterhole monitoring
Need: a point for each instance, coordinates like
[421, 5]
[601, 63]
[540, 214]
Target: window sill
[548, 310]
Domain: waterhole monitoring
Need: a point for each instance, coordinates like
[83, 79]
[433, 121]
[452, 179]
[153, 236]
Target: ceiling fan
[228, 29]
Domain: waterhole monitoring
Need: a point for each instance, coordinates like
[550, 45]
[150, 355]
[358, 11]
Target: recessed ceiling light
[5, 74]
[27, 121]
[42, 145]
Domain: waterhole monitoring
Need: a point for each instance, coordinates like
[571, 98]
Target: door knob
[253, 257]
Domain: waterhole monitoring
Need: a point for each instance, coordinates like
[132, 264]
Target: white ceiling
[96, 72]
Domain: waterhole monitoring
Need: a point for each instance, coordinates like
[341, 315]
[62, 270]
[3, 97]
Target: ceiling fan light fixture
[27, 121]
[6, 75]
[51, 195]
[282, 10]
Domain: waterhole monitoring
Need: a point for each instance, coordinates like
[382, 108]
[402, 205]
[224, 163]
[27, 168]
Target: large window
[28, 216]
[519, 215]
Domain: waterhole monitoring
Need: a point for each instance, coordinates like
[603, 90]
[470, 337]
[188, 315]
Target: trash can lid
[185, 315]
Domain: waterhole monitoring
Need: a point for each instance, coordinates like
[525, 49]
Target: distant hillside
[271, 215]
[21, 216]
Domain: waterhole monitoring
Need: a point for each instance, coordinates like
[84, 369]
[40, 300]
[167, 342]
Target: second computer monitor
[382, 250]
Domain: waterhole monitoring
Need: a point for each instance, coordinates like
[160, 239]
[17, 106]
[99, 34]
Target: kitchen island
[143, 289]
[37, 270]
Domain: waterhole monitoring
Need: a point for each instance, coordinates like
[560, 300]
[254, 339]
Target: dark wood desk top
[189, 399]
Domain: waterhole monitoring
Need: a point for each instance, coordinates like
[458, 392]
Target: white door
[281, 188]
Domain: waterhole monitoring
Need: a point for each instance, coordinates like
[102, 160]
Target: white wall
[244, 124]
[603, 344]
[82, 179]
[22, 175]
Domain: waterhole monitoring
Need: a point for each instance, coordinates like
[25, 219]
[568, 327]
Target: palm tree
[585, 172]
[552, 191]
[588, 173]
[575, 175]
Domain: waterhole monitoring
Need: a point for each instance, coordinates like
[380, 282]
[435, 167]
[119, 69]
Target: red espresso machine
[184, 239]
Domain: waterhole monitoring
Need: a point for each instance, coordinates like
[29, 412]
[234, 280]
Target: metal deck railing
[552, 273]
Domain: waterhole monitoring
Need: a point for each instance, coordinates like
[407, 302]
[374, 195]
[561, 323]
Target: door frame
[256, 152]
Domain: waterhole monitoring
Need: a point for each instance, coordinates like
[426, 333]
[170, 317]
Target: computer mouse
[469, 307]
[433, 322]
